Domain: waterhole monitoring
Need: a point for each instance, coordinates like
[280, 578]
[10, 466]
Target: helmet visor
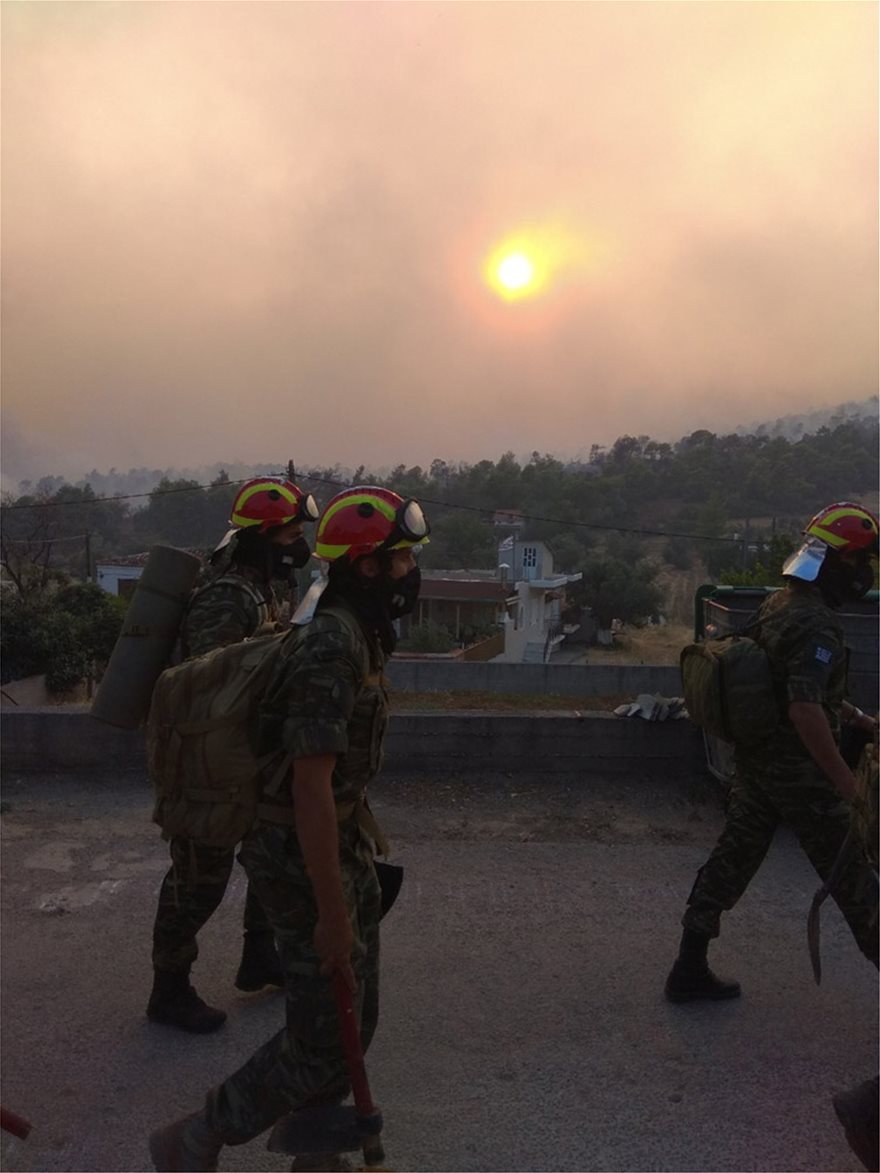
[806, 562]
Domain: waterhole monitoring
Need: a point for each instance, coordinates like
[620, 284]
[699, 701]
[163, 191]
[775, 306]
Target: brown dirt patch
[645, 645]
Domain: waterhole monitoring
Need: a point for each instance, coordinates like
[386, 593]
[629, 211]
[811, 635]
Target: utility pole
[88, 540]
[745, 554]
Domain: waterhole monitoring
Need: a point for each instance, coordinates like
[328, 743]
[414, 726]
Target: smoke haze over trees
[744, 500]
[704, 484]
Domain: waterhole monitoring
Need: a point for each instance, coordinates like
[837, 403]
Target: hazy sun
[528, 262]
[516, 268]
[515, 271]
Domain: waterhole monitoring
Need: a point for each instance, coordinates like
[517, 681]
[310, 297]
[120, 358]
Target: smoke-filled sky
[259, 230]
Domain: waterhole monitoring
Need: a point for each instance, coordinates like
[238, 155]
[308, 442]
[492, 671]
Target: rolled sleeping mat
[145, 644]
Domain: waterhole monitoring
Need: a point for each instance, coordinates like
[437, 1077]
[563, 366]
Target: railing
[555, 630]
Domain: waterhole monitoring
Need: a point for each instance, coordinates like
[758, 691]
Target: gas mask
[402, 593]
[842, 581]
[286, 559]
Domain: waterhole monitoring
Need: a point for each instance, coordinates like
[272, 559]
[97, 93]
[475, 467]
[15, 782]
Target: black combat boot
[857, 1110]
[691, 978]
[175, 1003]
[321, 1163]
[186, 1146]
[260, 963]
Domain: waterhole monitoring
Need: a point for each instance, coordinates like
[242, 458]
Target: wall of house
[117, 580]
[515, 640]
[528, 560]
[530, 623]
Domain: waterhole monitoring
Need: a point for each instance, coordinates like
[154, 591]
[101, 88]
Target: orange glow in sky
[283, 202]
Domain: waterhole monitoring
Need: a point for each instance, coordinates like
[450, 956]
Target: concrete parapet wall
[534, 679]
[542, 743]
[46, 740]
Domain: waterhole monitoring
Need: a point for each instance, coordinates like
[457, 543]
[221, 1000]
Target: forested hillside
[705, 485]
[643, 522]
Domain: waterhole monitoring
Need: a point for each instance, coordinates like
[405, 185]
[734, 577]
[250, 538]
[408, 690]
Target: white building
[535, 628]
[120, 576]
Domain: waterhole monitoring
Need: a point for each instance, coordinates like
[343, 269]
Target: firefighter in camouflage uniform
[798, 776]
[235, 601]
[310, 853]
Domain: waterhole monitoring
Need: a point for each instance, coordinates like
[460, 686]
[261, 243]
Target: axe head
[325, 1128]
[390, 878]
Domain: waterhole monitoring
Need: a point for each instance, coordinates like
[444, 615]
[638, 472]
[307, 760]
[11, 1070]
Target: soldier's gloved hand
[334, 941]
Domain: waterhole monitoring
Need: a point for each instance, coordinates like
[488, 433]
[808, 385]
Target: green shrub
[428, 637]
[67, 634]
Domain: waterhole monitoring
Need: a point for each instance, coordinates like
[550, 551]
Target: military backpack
[203, 762]
[728, 689]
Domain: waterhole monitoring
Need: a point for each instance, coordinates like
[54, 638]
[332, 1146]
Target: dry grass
[645, 645]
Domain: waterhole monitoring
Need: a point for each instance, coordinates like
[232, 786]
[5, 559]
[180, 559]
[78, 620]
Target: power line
[42, 541]
[126, 497]
[570, 522]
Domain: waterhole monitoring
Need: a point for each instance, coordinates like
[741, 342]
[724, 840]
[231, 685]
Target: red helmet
[365, 519]
[271, 501]
[845, 527]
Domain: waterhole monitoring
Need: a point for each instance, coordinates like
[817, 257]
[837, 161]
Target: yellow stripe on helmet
[836, 540]
[265, 487]
[385, 508]
[330, 553]
[261, 487]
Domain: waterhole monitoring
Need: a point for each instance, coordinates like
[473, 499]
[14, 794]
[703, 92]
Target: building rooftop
[140, 559]
[465, 589]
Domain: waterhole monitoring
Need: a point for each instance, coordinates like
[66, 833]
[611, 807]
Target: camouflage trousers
[305, 1061]
[809, 805]
[190, 893]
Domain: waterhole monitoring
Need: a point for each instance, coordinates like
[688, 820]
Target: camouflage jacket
[329, 697]
[803, 640]
[228, 608]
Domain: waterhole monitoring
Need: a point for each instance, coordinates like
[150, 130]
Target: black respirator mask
[844, 582]
[402, 594]
[286, 559]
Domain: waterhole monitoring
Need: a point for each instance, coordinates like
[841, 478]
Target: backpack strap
[265, 606]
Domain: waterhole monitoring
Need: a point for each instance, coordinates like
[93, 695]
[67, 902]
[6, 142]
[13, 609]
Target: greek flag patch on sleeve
[824, 655]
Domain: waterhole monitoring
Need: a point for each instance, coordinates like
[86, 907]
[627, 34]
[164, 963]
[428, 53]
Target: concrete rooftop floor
[523, 1023]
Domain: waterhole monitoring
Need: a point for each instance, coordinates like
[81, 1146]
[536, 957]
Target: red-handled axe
[340, 1127]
